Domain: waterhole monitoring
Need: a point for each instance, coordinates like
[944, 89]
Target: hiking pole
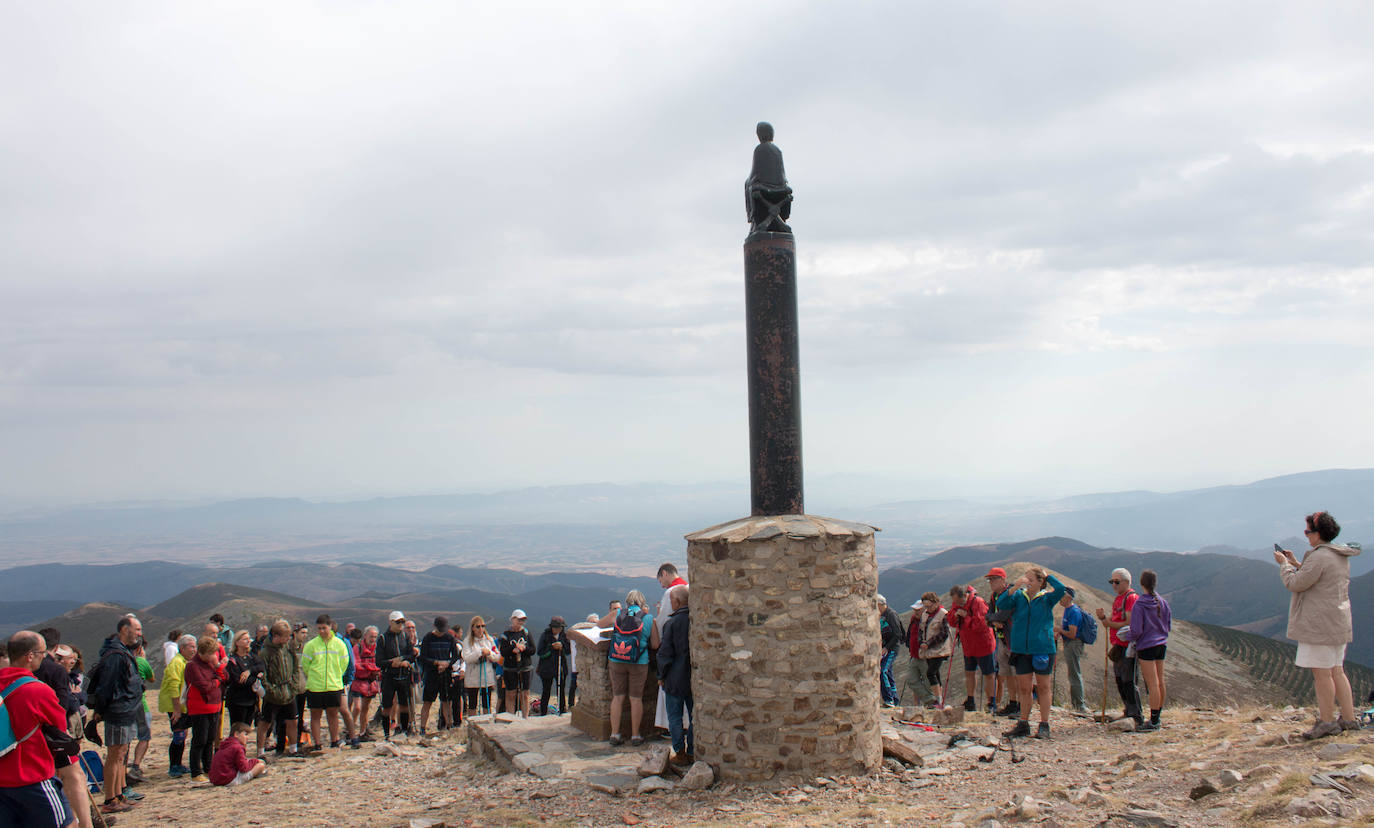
[1106, 674]
[949, 673]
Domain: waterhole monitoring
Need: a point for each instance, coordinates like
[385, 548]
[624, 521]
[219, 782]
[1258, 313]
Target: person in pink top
[231, 765]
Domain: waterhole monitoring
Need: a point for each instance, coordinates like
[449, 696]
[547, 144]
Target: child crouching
[231, 765]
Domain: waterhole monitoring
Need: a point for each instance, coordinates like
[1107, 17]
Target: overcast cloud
[326, 249]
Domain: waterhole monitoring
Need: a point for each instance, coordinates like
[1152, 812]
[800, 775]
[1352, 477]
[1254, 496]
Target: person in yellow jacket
[171, 700]
[324, 659]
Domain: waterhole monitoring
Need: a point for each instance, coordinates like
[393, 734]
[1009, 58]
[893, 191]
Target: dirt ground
[1083, 776]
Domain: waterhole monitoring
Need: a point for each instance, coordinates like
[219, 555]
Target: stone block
[655, 762]
[699, 777]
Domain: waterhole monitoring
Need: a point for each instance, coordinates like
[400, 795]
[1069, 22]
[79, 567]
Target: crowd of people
[1012, 640]
[224, 689]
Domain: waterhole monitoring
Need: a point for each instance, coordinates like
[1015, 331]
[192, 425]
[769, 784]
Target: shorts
[1320, 656]
[1003, 656]
[242, 713]
[145, 727]
[516, 680]
[436, 687]
[122, 734]
[395, 689]
[40, 805]
[1155, 653]
[624, 676]
[282, 713]
[323, 699]
[1024, 664]
[986, 664]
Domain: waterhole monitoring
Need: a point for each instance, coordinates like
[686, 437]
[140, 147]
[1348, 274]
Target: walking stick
[949, 673]
[1106, 674]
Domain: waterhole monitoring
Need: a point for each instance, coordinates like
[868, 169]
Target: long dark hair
[1148, 579]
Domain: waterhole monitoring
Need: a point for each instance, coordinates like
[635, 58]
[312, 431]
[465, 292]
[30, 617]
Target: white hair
[369, 628]
[593, 618]
[1122, 573]
[185, 639]
[881, 599]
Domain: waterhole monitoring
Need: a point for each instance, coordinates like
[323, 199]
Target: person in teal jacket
[1031, 600]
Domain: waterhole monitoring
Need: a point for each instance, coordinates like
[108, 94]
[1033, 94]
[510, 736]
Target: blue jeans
[889, 684]
[674, 705]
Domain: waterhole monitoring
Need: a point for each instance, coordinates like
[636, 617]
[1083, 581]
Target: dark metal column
[770, 299]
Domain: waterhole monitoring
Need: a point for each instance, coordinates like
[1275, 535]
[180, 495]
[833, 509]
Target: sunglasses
[1114, 581]
[479, 626]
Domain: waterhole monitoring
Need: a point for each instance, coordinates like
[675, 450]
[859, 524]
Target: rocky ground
[1205, 768]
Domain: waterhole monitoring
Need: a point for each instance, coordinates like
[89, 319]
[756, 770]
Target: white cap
[518, 614]
[397, 615]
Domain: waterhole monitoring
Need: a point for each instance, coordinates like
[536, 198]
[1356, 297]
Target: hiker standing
[366, 681]
[891, 632]
[480, 655]
[1031, 601]
[395, 657]
[633, 635]
[517, 660]
[1151, 621]
[117, 695]
[1319, 620]
[968, 618]
[169, 701]
[325, 660]
[936, 645]
[438, 654]
[997, 620]
[29, 794]
[281, 667]
[675, 674]
[553, 664]
[243, 670]
[1122, 653]
[1072, 646]
[668, 578]
[204, 701]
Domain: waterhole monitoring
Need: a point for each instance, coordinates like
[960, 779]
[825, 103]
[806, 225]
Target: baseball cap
[518, 614]
[396, 615]
[996, 572]
[1069, 591]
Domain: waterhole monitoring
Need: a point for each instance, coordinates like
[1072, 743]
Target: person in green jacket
[134, 773]
[324, 659]
[169, 702]
[1031, 600]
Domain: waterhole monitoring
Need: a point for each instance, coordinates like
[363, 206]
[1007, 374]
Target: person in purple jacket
[1150, 621]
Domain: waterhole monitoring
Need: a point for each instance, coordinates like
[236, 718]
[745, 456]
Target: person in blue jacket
[1031, 601]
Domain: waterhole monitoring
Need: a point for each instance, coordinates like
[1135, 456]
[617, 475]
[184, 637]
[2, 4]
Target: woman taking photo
[1150, 622]
[480, 658]
[1032, 600]
[1319, 619]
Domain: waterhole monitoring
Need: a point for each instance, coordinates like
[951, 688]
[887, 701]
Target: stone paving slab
[551, 748]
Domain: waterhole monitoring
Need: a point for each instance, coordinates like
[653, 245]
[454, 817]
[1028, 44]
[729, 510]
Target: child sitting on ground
[231, 765]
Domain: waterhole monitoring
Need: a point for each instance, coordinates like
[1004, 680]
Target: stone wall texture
[785, 648]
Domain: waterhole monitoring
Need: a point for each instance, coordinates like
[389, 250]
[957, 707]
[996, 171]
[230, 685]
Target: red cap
[996, 572]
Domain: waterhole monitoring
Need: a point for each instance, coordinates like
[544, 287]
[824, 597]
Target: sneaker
[200, 778]
[127, 801]
[616, 740]
[970, 705]
[1012, 708]
[992, 708]
[131, 795]
[115, 806]
[1146, 727]
[1043, 731]
[355, 743]
[1021, 730]
[367, 737]
[636, 741]
[1322, 729]
[334, 745]
[1082, 711]
[177, 771]
[1348, 724]
[134, 774]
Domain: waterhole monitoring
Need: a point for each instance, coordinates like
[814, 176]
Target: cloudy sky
[327, 249]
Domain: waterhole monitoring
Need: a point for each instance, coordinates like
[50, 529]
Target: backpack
[625, 637]
[1087, 628]
[8, 739]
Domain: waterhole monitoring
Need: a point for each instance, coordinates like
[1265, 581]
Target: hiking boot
[132, 795]
[355, 743]
[1021, 730]
[115, 806]
[970, 705]
[1322, 729]
[1012, 708]
[1043, 731]
[178, 771]
[1348, 724]
[134, 775]
[1146, 727]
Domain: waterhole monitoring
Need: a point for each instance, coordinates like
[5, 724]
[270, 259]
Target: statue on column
[767, 198]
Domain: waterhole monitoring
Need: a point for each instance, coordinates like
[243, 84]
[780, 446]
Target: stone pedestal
[592, 713]
[785, 648]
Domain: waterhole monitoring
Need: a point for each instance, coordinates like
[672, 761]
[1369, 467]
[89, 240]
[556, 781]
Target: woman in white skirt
[1319, 620]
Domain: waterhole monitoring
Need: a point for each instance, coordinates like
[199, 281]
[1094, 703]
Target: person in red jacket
[29, 792]
[968, 617]
[231, 765]
[203, 679]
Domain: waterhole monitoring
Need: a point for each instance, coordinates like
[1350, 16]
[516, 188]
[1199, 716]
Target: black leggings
[476, 703]
[202, 744]
[548, 691]
[933, 666]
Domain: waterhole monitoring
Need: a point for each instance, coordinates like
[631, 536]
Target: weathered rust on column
[775, 447]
